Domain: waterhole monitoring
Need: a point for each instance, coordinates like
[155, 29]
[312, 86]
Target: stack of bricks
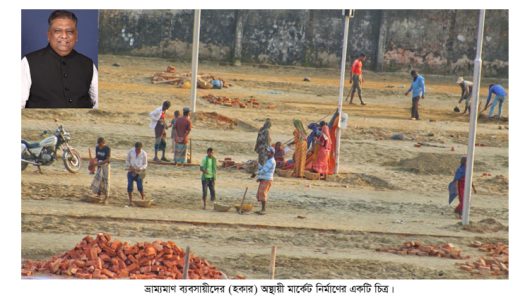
[446, 250]
[102, 258]
[228, 163]
[495, 263]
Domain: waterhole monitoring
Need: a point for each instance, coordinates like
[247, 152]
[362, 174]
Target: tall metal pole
[195, 57]
[473, 119]
[341, 85]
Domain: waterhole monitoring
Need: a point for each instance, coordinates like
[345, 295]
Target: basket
[244, 208]
[142, 203]
[221, 208]
[284, 173]
[311, 176]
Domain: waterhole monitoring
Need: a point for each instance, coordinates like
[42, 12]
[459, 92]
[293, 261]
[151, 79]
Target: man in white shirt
[57, 76]
[136, 163]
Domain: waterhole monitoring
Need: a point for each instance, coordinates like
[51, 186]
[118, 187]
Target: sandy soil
[388, 192]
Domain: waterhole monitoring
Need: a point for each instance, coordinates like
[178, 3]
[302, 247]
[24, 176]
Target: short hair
[322, 123]
[62, 14]
[101, 140]
[186, 112]
[362, 55]
[165, 105]
[138, 145]
[413, 72]
[491, 85]
[176, 113]
[209, 149]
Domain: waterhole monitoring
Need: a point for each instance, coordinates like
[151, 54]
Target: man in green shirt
[209, 171]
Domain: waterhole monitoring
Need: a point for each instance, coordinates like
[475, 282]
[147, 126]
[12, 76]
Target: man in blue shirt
[500, 94]
[265, 174]
[418, 89]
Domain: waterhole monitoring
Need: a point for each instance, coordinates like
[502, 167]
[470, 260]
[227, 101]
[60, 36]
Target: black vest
[59, 82]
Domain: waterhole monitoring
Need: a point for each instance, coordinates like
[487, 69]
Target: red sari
[320, 165]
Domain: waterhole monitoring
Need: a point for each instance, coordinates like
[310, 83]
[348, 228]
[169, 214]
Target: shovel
[243, 200]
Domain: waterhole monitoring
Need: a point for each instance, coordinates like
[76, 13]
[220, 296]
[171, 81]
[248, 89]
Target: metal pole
[195, 57]
[341, 87]
[473, 119]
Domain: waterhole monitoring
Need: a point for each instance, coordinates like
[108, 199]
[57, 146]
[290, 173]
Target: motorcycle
[44, 153]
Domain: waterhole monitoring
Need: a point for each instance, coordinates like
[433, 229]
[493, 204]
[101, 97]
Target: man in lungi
[158, 122]
[265, 174]
[101, 183]
[182, 131]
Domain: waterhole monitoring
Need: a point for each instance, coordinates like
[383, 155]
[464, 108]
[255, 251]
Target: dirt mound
[486, 225]
[215, 120]
[361, 180]
[497, 184]
[432, 164]
[236, 102]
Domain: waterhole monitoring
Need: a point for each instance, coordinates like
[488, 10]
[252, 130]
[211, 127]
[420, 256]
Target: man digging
[265, 174]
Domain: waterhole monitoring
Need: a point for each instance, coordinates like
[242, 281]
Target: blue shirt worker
[500, 95]
[265, 174]
[418, 89]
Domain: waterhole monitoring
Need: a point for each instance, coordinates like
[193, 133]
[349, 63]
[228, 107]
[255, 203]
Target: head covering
[299, 126]
[267, 123]
[460, 80]
[185, 109]
[271, 149]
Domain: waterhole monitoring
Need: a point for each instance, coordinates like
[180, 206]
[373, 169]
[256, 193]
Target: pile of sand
[432, 164]
[215, 120]
[361, 180]
[486, 225]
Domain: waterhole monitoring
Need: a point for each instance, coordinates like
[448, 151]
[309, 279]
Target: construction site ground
[388, 191]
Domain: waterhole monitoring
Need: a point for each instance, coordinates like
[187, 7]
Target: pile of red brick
[102, 258]
[235, 102]
[496, 262]
[446, 250]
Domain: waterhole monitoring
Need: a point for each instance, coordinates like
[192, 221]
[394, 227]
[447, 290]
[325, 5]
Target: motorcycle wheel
[24, 164]
[72, 161]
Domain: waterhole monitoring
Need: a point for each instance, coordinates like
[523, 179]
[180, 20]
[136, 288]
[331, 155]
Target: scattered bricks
[121, 255]
[96, 274]
[93, 253]
[54, 266]
[150, 251]
[104, 259]
[145, 269]
[26, 272]
[115, 245]
[108, 273]
[80, 263]
[123, 273]
[83, 275]
[446, 250]
[133, 267]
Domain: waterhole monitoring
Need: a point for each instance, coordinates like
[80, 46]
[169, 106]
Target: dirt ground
[388, 191]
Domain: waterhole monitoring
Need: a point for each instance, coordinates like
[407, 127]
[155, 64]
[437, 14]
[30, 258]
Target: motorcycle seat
[30, 145]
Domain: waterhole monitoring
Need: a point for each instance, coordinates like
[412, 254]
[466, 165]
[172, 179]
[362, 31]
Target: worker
[356, 77]
[467, 90]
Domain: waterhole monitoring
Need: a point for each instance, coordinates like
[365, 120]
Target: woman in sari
[101, 183]
[320, 165]
[300, 152]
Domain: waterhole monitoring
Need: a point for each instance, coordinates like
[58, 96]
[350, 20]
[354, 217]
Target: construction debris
[446, 250]
[250, 102]
[170, 76]
[496, 262]
[102, 258]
